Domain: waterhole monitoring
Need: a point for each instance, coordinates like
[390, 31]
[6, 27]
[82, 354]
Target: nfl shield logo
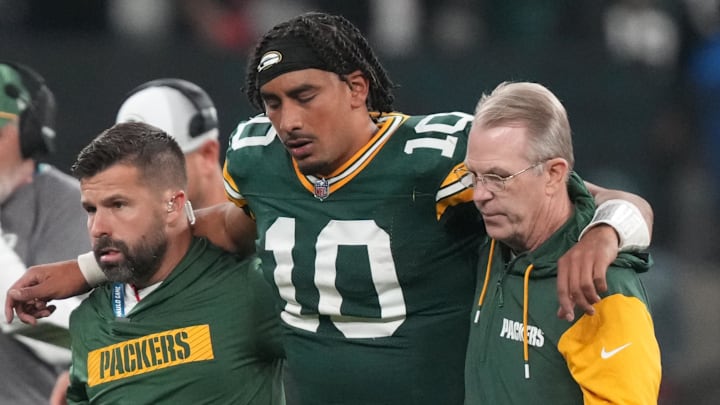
[322, 189]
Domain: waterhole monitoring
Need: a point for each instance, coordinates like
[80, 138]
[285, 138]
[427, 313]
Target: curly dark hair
[340, 46]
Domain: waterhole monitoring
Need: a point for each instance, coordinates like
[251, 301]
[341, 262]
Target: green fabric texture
[494, 369]
[375, 290]
[153, 355]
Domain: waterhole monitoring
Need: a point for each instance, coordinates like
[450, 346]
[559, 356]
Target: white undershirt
[131, 299]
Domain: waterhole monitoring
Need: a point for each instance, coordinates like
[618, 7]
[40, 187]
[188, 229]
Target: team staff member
[187, 113]
[368, 237]
[41, 222]
[181, 320]
[519, 165]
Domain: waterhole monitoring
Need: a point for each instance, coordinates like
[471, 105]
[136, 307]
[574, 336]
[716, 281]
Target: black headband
[283, 55]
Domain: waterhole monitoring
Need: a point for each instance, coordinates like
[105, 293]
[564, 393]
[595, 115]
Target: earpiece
[37, 120]
[189, 213]
[187, 207]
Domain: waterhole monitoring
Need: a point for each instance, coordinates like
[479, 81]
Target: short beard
[140, 263]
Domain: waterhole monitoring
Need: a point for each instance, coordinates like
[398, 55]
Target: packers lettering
[514, 331]
[149, 353]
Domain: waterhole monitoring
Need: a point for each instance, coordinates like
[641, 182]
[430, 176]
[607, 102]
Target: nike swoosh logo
[606, 355]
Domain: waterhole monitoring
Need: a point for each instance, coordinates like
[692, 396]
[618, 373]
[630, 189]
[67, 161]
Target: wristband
[628, 222]
[90, 269]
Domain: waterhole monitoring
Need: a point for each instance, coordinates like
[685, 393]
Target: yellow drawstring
[487, 278]
[526, 293]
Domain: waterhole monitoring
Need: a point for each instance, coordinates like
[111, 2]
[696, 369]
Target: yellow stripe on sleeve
[614, 355]
[231, 189]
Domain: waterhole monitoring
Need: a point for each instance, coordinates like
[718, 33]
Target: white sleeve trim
[91, 270]
[627, 221]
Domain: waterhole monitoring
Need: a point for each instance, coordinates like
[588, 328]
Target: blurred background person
[187, 113]
[41, 222]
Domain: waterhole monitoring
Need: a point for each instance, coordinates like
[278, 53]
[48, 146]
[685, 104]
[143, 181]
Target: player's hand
[582, 271]
[29, 295]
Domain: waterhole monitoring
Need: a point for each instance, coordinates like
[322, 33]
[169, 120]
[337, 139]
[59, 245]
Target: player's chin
[309, 166]
[116, 272]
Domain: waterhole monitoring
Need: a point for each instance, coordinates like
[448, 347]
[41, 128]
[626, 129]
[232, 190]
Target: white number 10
[280, 240]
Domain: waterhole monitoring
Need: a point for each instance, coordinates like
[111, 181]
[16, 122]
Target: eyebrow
[490, 170]
[104, 201]
[497, 169]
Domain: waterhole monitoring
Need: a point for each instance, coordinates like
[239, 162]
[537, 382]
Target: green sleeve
[266, 316]
[76, 392]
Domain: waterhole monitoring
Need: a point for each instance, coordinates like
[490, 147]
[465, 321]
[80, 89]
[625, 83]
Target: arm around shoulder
[28, 296]
[629, 214]
[228, 227]
[622, 222]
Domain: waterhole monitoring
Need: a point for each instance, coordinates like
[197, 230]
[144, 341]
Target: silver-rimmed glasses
[491, 182]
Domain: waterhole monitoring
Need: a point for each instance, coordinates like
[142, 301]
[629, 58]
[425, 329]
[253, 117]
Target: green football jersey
[374, 266]
[208, 334]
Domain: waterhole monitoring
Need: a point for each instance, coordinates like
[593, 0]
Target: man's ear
[558, 171]
[175, 206]
[359, 88]
[210, 149]
[210, 152]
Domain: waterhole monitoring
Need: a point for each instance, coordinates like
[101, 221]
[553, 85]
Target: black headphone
[37, 120]
[206, 117]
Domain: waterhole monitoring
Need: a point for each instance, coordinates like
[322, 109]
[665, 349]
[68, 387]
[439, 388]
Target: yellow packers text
[149, 353]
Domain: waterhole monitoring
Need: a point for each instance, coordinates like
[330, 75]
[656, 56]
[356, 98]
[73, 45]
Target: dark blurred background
[640, 80]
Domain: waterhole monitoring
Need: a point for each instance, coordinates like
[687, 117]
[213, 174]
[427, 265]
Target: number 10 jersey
[374, 266]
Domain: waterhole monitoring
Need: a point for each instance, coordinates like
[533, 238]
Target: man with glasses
[519, 166]
[490, 181]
